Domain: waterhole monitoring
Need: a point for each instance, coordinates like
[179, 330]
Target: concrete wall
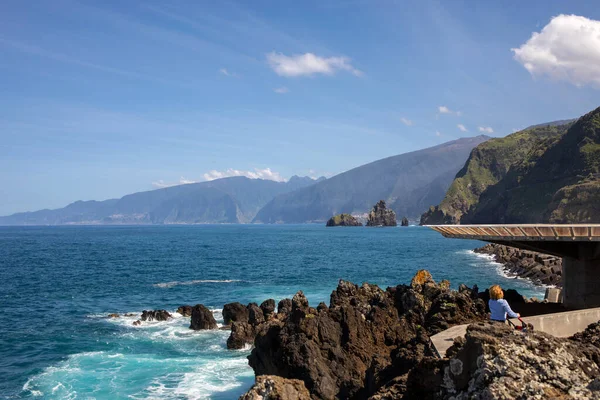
[563, 324]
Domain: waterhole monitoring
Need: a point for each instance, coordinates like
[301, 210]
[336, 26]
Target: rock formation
[539, 268]
[364, 339]
[202, 318]
[155, 315]
[186, 310]
[380, 215]
[271, 387]
[404, 221]
[246, 321]
[343, 220]
[234, 312]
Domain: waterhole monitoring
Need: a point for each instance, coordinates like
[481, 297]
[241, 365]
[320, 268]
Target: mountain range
[227, 200]
[408, 182]
[548, 173]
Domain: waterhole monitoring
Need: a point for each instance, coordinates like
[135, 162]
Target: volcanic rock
[404, 222]
[271, 387]
[496, 362]
[186, 310]
[364, 340]
[284, 306]
[234, 312]
[155, 315]
[343, 220]
[538, 267]
[268, 308]
[380, 215]
[202, 318]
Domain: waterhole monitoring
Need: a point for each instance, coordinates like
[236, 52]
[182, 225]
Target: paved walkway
[563, 324]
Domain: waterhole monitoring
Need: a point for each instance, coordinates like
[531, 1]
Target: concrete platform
[563, 324]
[577, 244]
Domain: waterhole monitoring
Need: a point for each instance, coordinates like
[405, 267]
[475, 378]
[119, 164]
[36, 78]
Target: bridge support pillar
[581, 282]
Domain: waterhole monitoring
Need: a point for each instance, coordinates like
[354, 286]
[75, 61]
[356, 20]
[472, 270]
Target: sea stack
[380, 215]
[343, 220]
[404, 222]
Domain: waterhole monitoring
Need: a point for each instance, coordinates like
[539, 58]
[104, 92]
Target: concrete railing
[563, 324]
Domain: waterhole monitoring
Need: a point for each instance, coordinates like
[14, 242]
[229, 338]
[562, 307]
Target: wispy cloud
[438, 133]
[64, 58]
[309, 64]
[256, 174]
[281, 90]
[462, 128]
[406, 121]
[568, 49]
[486, 129]
[162, 184]
[226, 72]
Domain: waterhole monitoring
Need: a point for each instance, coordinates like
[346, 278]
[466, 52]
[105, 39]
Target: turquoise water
[58, 284]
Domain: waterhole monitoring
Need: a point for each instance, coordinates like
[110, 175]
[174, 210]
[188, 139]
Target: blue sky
[100, 99]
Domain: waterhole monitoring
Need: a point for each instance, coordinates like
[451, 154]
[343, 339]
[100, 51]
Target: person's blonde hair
[496, 292]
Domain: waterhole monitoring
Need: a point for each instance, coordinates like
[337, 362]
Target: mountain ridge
[408, 182]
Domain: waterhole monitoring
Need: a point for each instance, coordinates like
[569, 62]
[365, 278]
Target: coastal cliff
[488, 164]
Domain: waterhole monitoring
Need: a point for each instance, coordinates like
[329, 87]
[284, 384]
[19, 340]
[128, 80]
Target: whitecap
[194, 282]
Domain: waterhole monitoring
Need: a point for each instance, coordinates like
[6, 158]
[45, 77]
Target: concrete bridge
[577, 244]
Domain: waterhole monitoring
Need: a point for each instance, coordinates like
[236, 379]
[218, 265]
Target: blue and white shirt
[499, 309]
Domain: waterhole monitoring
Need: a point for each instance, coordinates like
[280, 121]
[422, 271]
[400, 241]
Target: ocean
[58, 285]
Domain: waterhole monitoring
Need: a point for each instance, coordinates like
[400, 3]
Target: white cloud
[486, 129]
[309, 64]
[438, 133]
[162, 184]
[281, 90]
[568, 49]
[462, 128]
[406, 121]
[256, 174]
[225, 72]
[446, 110]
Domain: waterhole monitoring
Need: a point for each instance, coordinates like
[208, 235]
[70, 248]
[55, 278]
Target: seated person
[499, 307]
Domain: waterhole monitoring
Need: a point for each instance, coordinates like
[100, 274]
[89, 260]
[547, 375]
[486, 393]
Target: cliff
[488, 164]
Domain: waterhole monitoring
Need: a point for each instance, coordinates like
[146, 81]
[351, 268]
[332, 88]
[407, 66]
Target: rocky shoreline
[371, 343]
[541, 269]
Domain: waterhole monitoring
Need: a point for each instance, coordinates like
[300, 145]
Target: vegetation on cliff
[495, 166]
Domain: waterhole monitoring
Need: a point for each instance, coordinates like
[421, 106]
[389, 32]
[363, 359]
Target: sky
[99, 99]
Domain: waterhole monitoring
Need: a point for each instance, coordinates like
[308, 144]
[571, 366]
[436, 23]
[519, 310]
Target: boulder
[284, 306]
[137, 323]
[268, 308]
[494, 362]
[242, 333]
[380, 215]
[155, 315]
[255, 314]
[202, 318]
[115, 315]
[186, 310]
[343, 220]
[234, 312]
[271, 387]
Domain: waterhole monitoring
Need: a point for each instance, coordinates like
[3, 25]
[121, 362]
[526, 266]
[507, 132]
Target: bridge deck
[522, 232]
